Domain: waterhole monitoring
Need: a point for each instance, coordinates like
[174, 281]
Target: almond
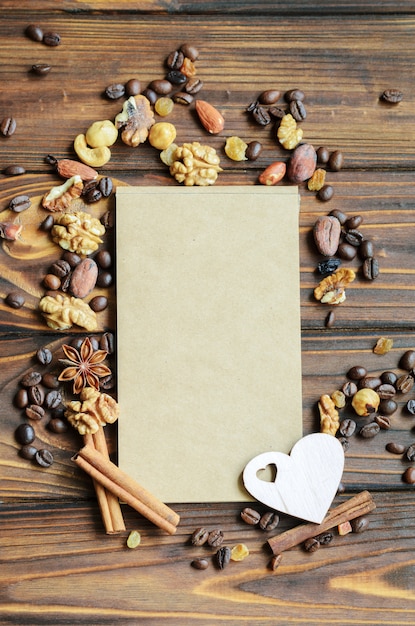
[68, 168]
[210, 117]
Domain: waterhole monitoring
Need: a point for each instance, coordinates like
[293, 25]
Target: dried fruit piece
[383, 345]
[62, 312]
[239, 552]
[194, 164]
[288, 134]
[329, 416]
[210, 117]
[60, 197]
[135, 120]
[331, 289]
[133, 539]
[164, 106]
[317, 180]
[235, 148]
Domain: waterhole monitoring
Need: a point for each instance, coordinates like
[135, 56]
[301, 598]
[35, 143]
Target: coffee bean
[51, 39]
[325, 538]
[269, 521]
[15, 300]
[57, 425]
[176, 77]
[347, 427]
[405, 383]
[359, 524]
[354, 237]
[181, 97]
[36, 394]
[20, 399]
[34, 32]
[24, 434]
[93, 195]
[311, 544]
[200, 564]
[28, 452]
[276, 112]
[330, 319]
[407, 360]
[189, 51]
[383, 421]
[60, 268]
[357, 372]
[44, 458]
[72, 258]
[98, 303]
[387, 407]
[395, 448]
[353, 222]
[175, 60]
[294, 94]
[250, 516]
[253, 150]
[14, 170]
[105, 186]
[409, 476]
[47, 223]
[389, 378]
[346, 251]
[115, 91]
[199, 537]
[41, 69]
[215, 538]
[297, 110]
[151, 95]
[53, 399]
[366, 249]
[107, 382]
[161, 86]
[50, 380]
[19, 203]
[335, 161]
[193, 85]
[223, 556]
[107, 343]
[410, 452]
[349, 389]
[370, 268]
[322, 155]
[392, 96]
[270, 96]
[369, 430]
[8, 126]
[261, 115]
[132, 87]
[325, 193]
[345, 443]
[31, 378]
[385, 391]
[410, 407]
[52, 282]
[44, 356]
[35, 412]
[104, 279]
[103, 259]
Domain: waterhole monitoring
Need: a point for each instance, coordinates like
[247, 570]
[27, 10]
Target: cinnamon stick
[109, 504]
[358, 505]
[107, 474]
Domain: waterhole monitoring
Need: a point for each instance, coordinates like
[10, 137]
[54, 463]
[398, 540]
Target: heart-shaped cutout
[306, 480]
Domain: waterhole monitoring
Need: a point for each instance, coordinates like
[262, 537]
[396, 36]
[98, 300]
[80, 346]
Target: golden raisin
[235, 149]
[239, 552]
[134, 539]
[316, 182]
[383, 345]
[164, 106]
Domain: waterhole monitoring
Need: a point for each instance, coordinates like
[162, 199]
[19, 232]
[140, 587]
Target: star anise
[84, 366]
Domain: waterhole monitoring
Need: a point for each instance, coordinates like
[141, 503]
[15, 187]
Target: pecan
[331, 289]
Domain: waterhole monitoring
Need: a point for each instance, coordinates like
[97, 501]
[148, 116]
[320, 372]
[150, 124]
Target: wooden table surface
[57, 564]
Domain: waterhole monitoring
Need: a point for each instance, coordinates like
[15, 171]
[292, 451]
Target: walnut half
[77, 232]
[94, 409]
[62, 312]
[194, 164]
[331, 290]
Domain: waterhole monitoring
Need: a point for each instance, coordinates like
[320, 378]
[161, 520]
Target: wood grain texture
[58, 566]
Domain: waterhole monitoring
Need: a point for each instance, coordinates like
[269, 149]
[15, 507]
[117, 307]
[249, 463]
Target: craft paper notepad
[208, 335]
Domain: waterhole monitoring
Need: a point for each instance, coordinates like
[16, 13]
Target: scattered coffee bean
[8, 126]
[405, 383]
[51, 39]
[369, 430]
[325, 193]
[181, 97]
[385, 391]
[349, 389]
[347, 427]
[193, 85]
[28, 452]
[409, 476]
[297, 110]
[223, 556]
[115, 91]
[360, 524]
[330, 319]
[250, 516]
[36, 394]
[345, 443]
[15, 300]
[311, 545]
[34, 32]
[335, 161]
[253, 150]
[387, 407]
[98, 303]
[107, 343]
[366, 249]
[199, 537]
[176, 77]
[107, 382]
[410, 407]
[19, 203]
[93, 195]
[161, 86]
[44, 458]
[294, 94]
[410, 453]
[269, 521]
[383, 421]
[41, 69]
[175, 60]
[276, 112]
[215, 538]
[132, 87]
[31, 378]
[322, 155]
[388, 377]
[353, 222]
[261, 115]
[105, 186]
[20, 399]
[392, 96]
[354, 237]
[53, 399]
[104, 279]
[200, 564]
[50, 380]
[72, 258]
[44, 356]
[52, 282]
[346, 251]
[342, 217]
[25, 434]
[60, 268]
[103, 259]
[151, 95]
[407, 360]
[57, 425]
[270, 96]
[14, 170]
[47, 223]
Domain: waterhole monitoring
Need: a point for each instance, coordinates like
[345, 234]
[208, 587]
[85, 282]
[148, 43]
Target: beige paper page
[208, 335]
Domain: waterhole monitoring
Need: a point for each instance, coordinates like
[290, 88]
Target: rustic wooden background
[57, 565]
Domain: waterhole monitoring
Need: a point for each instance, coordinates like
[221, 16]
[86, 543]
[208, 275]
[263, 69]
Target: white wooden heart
[307, 479]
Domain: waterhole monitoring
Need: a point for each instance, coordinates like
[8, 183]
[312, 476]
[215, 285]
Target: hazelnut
[365, 401]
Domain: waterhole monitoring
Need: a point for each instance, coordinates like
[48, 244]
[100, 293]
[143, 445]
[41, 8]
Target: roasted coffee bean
[150, 94]
[354, 237]
[353, 222]
[359, 524]
[36, 394]
[189, 51]
[20, 399]
[58, 412]
[19, 204]
[44, 356]
[51, 39]
[385, 391]
[322, 155]
[387, 407]
[31, 378]
[276, 112]
[251, 106]
[270, 96]
[34, 32]
[107, 343]
[325, 538]
[24, 434]
[369, 430]
[349, 389]
[409, 476]
[115, 91]
[297, 110]
[57, 425]
[35, 412]
[72, 258]
[200, 564]
[15, 300]
[389, 378]
[8, 126]
[176, 77]
[335, 161]
[60, 268]
[370, 382]
[106, 186]
[93, 195]
[41, 69]
[395, 448]
[269, 521]
[250, 516]
[410, 407]
[261, 115]
[223, 556]
[199, 537]
[89, 186]
[366, 249]
[50, 380]
[404, 383]
[52, 282]
[215, 538]
[253, 150]
[104, 279]
[103, 259]
[181, 97]
[342, 217]
[175, 60]
[107, 382]
[28, 452]
[370, 268]
[345, 443]
[346, 251]
[44, 458]
[294, 94]
[410, 452]
[193, 85]
[65, 283]
[383, 421]
[311, 545]
[53, 399]
[328, 266]
[132, 87]
[47, 223]
[14, 170]
[347, 427]
[325, 193]
[407, 360]
[98, 303]
[161, 86]
[392, 96]
[330, 319]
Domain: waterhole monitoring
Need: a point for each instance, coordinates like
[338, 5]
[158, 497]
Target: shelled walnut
[195, 164]
[331, 289]
[77, 232]
[94, 409]
[62, 312]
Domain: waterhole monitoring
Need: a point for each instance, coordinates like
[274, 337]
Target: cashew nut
[95, 157]
[102, 133]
